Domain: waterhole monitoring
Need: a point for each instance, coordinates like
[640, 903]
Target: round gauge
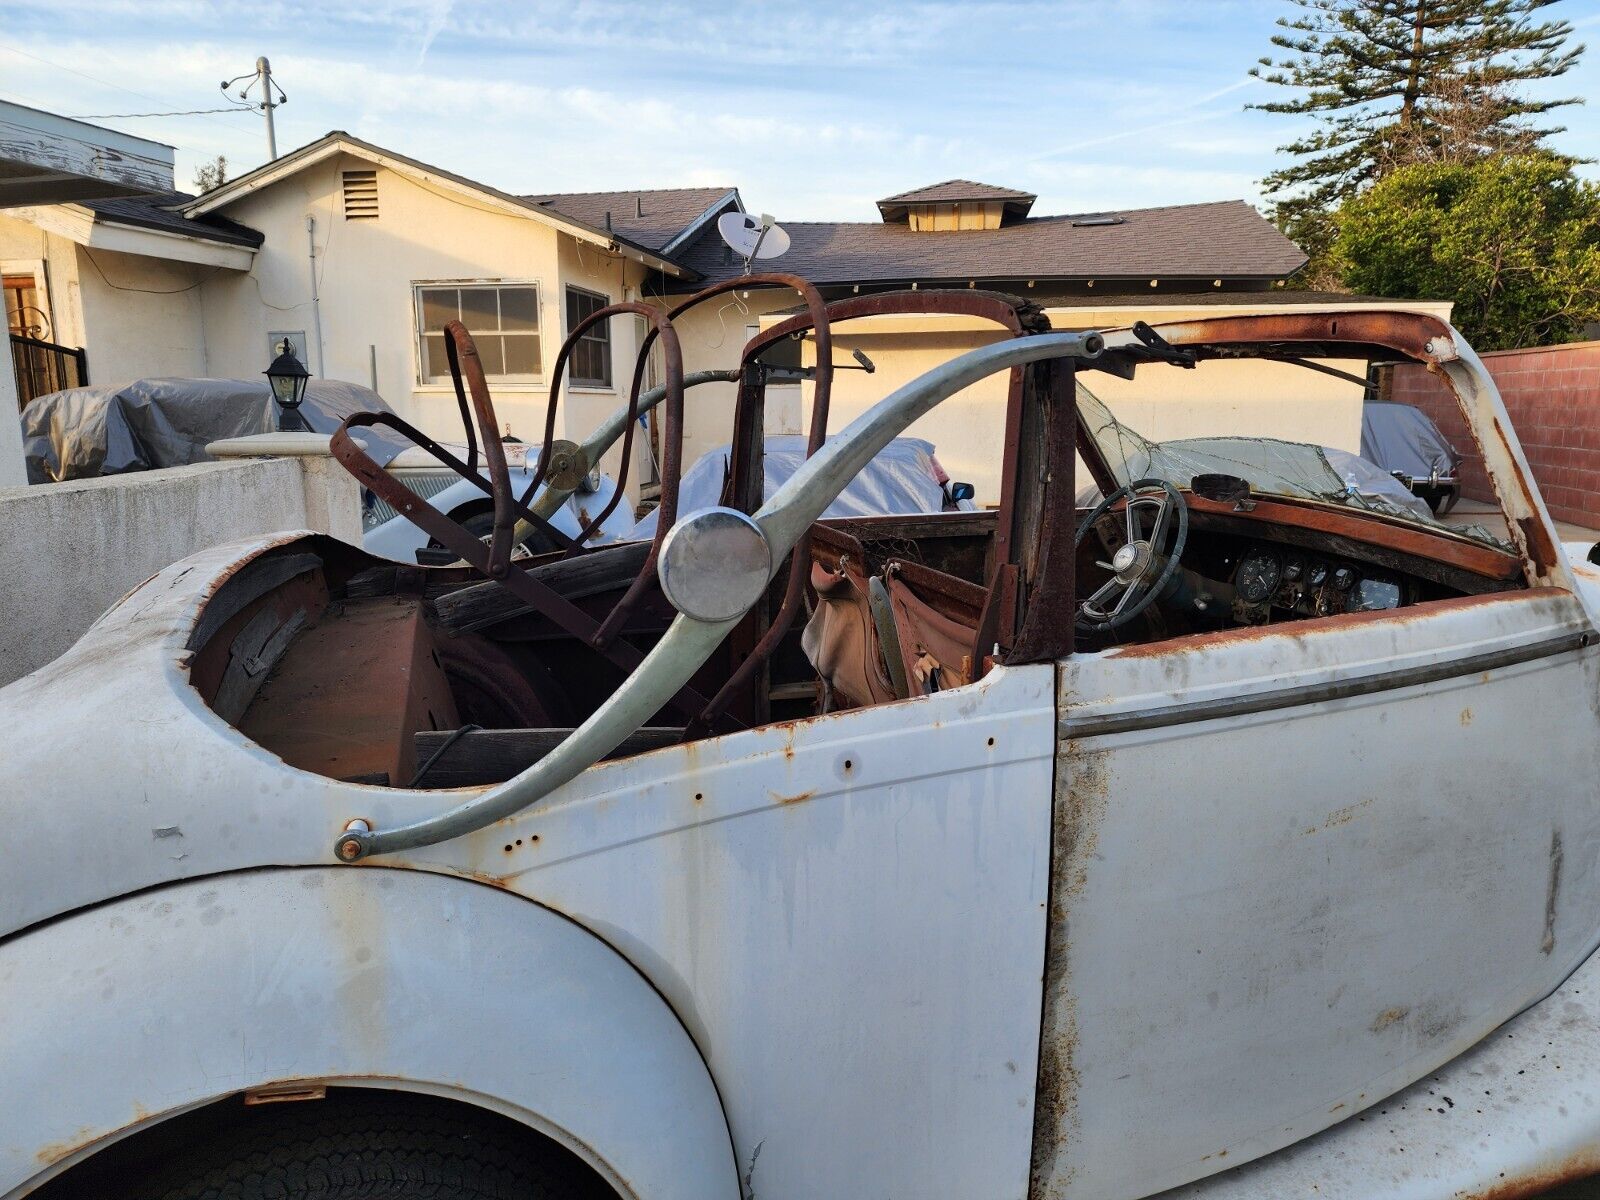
[1344, 579]
[1318, 576]
[1293, 570]
[1258, 577]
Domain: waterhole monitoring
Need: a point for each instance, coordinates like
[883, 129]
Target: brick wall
[1552, 395]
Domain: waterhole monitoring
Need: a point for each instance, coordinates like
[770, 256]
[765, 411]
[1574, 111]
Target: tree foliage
[1396, 81]
[1514, 241]
[211, 175]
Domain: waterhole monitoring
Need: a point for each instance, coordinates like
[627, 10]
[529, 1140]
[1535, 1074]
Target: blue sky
[813, 110]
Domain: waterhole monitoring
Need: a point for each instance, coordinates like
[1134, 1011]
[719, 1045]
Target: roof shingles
[957, 189]
[159, 212]
[1227, 240]
[651, 218]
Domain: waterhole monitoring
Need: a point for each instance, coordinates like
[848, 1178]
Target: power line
[190, 112]
[83, 75]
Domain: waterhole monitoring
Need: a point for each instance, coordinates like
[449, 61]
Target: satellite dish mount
[752, 237]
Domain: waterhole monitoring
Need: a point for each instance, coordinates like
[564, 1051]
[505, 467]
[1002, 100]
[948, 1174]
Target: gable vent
[360, 195]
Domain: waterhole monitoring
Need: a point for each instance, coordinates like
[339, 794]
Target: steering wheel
[1139, 569]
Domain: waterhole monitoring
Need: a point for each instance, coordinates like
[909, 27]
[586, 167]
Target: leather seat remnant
[842, 639]
[936, 649]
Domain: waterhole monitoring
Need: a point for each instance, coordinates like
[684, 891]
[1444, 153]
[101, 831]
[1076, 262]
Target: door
[1295, 871]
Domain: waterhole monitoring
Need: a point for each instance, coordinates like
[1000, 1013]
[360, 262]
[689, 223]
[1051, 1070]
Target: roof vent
[360, 195]
[1096, 219]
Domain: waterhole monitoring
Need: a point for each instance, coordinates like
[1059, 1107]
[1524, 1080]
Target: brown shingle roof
[957, 189]
[650, 217]
[158, 211]
[1227, 240]
[950, 191]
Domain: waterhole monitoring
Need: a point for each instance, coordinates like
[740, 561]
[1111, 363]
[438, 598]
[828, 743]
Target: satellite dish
[751, 237]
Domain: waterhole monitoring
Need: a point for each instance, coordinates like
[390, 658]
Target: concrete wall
[1552, 394]
[72, 549]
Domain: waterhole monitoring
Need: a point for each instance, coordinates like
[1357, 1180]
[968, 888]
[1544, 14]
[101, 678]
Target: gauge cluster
[1269, 578]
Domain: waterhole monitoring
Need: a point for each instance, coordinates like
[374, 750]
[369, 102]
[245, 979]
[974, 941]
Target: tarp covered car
[108, 429]
[1405, 442]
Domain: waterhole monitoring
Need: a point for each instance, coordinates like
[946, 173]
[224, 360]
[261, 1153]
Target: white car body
[1090, 928]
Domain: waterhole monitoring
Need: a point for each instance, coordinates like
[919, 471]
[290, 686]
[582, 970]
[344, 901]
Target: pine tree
[1398, 81]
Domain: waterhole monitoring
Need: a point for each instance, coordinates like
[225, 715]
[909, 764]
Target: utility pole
[272, 96]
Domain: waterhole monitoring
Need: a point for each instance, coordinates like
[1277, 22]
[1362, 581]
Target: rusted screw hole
[848, 764]
[508, 847]
[699, 796]
[991, 741]
[519, 841]
[533, 837]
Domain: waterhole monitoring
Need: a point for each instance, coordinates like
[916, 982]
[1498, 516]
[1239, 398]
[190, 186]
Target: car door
[1297, 868]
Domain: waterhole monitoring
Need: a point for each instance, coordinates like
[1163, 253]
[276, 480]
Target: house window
[23, 312]
[502, 318]
[591, 356]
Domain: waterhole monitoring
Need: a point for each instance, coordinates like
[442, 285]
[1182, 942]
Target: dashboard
[1287, 580]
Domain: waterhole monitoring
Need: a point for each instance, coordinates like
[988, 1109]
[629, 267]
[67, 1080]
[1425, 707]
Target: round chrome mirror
[714, 564]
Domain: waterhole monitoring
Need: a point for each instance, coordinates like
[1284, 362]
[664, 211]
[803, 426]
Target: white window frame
[574, 382]
[505, 382]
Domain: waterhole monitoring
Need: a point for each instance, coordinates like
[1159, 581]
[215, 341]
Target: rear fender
[120, 1016]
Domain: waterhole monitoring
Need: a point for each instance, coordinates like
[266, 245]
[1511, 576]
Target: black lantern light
[288, 379]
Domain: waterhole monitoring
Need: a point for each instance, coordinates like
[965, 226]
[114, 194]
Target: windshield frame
[1362, 335]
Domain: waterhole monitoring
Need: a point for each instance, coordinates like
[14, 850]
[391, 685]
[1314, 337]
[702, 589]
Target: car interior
[405, 675]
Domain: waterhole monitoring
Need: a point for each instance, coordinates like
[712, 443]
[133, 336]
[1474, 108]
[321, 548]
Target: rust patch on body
[799, 799]
[1388, 1017]
[1572, 1169]
[1082, 792]
[1313, 626]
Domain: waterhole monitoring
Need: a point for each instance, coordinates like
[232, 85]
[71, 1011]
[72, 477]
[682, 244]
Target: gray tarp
[1400, 438]
[901, 480]
[107, 430]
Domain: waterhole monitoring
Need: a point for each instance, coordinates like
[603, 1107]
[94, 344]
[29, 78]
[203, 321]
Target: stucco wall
[71, 549]
[26, 247]
[366, 272]
[142, 316]
[135, 315]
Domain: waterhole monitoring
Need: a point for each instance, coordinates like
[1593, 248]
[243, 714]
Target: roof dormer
[956, 204]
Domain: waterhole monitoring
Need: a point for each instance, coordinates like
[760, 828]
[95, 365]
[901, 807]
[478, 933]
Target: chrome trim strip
[1317, 693]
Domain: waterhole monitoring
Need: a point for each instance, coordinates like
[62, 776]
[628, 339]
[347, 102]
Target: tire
[377, 1146]
[481, 525]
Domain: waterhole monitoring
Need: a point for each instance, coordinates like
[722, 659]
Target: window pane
[479, 310]
[522, 355]
[583, 363]
[519, 308]
[434, 363]
[438, 306]
[491, 353]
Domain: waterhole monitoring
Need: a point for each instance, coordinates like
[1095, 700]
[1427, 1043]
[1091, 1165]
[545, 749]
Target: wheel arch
[152, 1006]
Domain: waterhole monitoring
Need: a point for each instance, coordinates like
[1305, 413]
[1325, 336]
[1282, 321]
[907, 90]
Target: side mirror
[962, 491]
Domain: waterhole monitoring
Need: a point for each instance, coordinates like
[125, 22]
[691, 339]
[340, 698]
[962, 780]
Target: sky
[813, 110]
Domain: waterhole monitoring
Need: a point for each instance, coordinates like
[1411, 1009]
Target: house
[47, 159]
[357, 255]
